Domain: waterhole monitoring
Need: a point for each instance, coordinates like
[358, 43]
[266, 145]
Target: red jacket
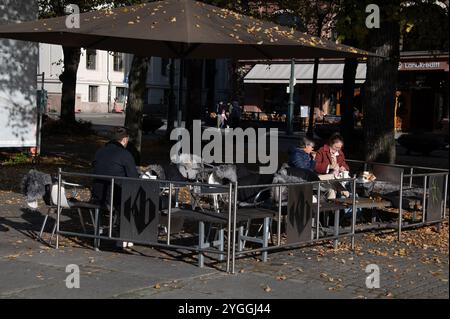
[323, 159]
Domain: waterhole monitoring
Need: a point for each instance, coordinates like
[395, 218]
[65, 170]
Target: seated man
[303, 156]
[113, 160]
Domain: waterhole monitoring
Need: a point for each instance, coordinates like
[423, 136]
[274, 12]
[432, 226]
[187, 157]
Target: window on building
[166, 96]
[93, 93]
[121, 94]
[118, 61]
[91, 59]
[165, 67]
[147, 96]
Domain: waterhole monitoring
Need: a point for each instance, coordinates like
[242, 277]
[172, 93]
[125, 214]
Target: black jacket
[112, 160]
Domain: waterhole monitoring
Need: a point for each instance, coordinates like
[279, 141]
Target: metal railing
[163, 184]
[279, 245]
[429, 172]
[233, 210]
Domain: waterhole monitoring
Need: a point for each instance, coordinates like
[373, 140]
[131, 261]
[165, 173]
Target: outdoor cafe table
[336, 205]
[343, 203]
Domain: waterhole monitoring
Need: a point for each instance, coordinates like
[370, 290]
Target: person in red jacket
[330, 159]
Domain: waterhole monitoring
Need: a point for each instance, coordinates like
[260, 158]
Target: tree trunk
[194, 91]
[136, 96]
[348, 91]
[210, 74]
[236, 81]
[379, 136]
[69, 83]
[310, 132]
[172, 108]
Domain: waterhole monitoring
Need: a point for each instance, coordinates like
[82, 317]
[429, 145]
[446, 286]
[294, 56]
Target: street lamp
[109, 53]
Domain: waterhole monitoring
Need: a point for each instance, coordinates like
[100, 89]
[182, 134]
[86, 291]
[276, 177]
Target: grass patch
[14, 159]
[57, 128]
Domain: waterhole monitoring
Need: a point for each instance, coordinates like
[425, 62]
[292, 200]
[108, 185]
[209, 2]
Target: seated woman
[330, 163]
[303, 156]
[330, 159]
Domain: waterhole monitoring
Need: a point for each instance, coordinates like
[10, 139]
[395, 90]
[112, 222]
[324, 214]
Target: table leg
[336, 227]
[201, 241]
[265, 237]
[96, 229]
[221, 243]
[240, 241]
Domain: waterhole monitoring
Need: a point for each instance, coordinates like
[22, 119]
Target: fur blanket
[282, 177]
[156, 170]
[225, 173]
[33, 185]
[189, 165]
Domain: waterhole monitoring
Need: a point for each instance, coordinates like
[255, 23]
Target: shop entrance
[422, 110]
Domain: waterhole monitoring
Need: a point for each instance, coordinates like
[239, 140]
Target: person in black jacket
[113, 160]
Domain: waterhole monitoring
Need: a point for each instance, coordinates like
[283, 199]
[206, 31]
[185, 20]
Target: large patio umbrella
[179, 29]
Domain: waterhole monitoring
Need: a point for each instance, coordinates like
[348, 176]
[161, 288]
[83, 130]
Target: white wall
[18, 66]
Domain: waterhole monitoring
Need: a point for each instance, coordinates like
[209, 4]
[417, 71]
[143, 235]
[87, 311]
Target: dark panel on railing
[139, 216]
[435, 200]
[299, 218]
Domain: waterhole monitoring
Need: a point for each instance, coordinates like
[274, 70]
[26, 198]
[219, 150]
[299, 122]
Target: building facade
[102, 81]
[422, 96]
[422, 102]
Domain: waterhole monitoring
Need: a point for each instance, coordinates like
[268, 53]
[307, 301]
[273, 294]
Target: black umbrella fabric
[179, 29]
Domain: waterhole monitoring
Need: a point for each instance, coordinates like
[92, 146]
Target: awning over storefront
[329, 73]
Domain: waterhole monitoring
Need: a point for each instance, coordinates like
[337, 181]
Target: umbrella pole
[310, 132]
[291, 99]
[180, 92]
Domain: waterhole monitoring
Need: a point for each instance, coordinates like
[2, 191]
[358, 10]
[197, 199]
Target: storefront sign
[304, 111]
[432, 65]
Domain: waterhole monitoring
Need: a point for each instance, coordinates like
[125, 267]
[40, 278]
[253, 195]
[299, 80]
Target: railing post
[230, 195]
[400, 211]
[279, 217]
[318, 211]
[169, 213]
[424, 200]
[234, 227]
[354, 215]
[58, 207]
[111, 208]
[445, 196]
